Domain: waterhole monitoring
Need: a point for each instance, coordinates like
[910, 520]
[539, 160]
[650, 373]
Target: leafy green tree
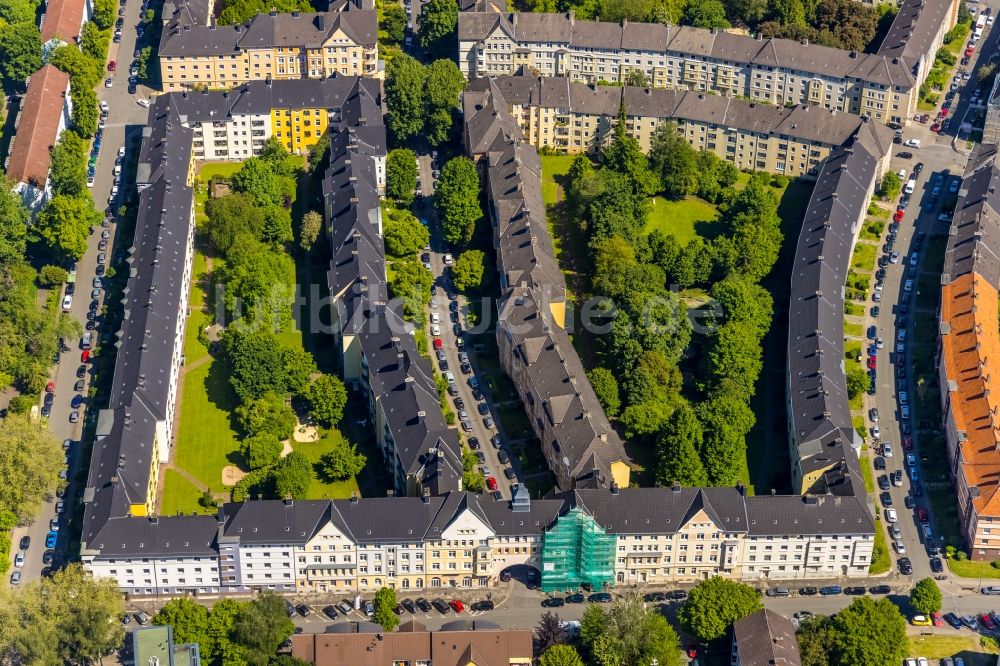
[189, 621]
[14, 219]
[403, 234]
[231, 219]
[636, 77]
[606, 387]
[260, 627]
[444, 84]
[725, 419]
[714, 604]
[457, 200]
[104, 13]
[17, 11]
[52, 276]
[674, 161]
[437, 22]
[385, 602]
[677, 450]
[392, 24]
[467, 272]
[256, 179]
[925, 597]
[869, 632]
[706, 14]
[629, 633]
[617, 208]
[624, 155]
[20, 404]
[891, 186]
[261, 451]
[309, 230]
[404, 96]
[84, 70]
[64, 226]
[292, 476]
[734, 354]
[46, 623]
[411, 283]
[261, 364]
[268, 414]
[560, 655]
[341, 462]
[30, 460]
[401, 175]
[857, 380]
[746, 302]
[815, 638]
[277, 225]
[327, 399]
[85, 115]
[20, 53]
[69, 166]
[319, 154]
[276, 156]
[94, 44]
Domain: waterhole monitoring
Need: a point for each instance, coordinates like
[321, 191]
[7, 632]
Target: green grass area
[970, 568]
[866, 474]
[684, 219]
[853, 330]
[939, 646]
[209, 170]
[179, 496]
[554, 167]
[320, 489]
[863, 257]
[872, 230]
[854, 309]
[200, 317]
[852, 349]
[206, 439]
[880, 553]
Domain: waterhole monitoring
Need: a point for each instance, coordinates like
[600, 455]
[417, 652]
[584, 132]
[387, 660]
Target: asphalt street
[125, 117]
[444, 305]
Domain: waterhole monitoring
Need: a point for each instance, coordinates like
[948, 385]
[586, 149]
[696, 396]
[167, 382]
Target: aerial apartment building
[463, 540]
[967, 337]
[269, 46]
[44, 114]
[822, 439]
[556, 113]
[884, 85]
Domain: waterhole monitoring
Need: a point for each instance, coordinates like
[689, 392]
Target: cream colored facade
[270, 46]
[774, 71]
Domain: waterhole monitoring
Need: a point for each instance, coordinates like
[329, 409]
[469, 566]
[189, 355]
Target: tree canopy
[868, 631]
[342, 461]
[401, 175]
[714, 604]
[628, 633]
[385, 603]
[327, 399]
[403, 234]
[457, 200]
[925, 597]
[438, 21]
[468, 271]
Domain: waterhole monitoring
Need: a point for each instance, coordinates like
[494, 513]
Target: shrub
[52, 276]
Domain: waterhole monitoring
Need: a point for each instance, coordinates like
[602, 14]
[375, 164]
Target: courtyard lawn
[320, 489]
[881, 562]
[206, 441]
[939, 646]
[683, 219]
[209, 170]
[194, 350]
[179, 496]
[863, 258]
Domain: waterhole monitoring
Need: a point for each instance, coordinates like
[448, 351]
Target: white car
[912, 143]
[104, 107]
[108, 82]
[435, 318]
[890, 515]
[121, 151]
[875, 432]
[67, 302]
[435, 330]
[900, 548]
[887, 450]
[448, 261]
[144, 103]
[19, 560]
[989, 20]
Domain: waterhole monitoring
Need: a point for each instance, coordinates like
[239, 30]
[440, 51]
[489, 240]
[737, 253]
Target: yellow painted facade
[298, 129]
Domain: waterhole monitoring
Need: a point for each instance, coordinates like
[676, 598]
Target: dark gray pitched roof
[798, 515]
[975, 229]
[765, 638]
[275, 522]
[820, 413]
[912, 33]
[174, 536]
[661, 510]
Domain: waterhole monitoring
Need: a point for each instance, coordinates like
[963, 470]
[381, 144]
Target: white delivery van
[911, 185]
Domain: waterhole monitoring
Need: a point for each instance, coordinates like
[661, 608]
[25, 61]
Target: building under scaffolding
[576, 552]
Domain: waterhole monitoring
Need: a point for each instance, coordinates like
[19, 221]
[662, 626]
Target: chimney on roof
[321, 21]
[220, 517]
[390, 492]
[274, 12]
[614, 488]
[289, 502]
[354, 497]
[426, 497]
[676, 488]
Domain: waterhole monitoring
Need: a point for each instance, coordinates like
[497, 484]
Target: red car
[943, 113]
[922, 515]
[491, 483]
[908, 443]
[871, 362]
[937, 620]
[111, 66]
[84, 356]
[456, 605]
[50, 387]
[692, 651]
[437, 343]
[987, 622]
[898, 216]
[936, 127]
[969, 51]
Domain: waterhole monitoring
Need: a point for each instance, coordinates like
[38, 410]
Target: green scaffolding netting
[576, 551]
